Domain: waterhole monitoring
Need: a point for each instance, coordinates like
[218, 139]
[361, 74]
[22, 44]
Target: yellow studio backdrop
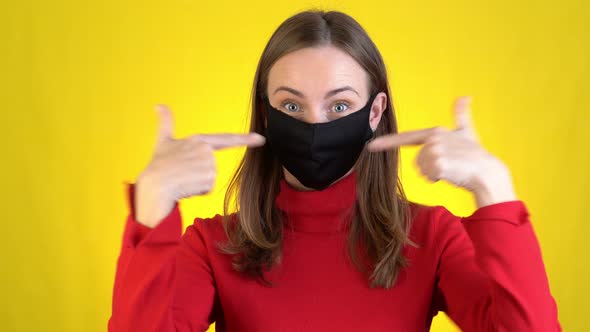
[80, 80]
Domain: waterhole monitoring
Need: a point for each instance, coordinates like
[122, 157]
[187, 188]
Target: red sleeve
[491, 275]
[164, 280]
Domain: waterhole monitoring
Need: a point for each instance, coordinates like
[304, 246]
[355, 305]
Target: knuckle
[202, 149]
[188, 145]
[417, 161]
[209, 185]
[438, 133]
[211, 175]
[204, 191]
[195, 139]
[207, 148]
[435, 149]
[197, 145]
[206, 173]
[432, 139]
[438, 164]
[439, 130]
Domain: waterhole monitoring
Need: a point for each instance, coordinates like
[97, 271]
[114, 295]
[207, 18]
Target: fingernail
[258, 137]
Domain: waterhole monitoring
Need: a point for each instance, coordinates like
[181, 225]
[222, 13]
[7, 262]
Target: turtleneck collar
[318, 211]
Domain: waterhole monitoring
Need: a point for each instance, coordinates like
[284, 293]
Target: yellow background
[80, 79]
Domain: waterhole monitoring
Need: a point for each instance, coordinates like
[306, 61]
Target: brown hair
[381, 220]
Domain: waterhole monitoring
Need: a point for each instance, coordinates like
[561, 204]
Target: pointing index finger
[222, 141]
[414, 137]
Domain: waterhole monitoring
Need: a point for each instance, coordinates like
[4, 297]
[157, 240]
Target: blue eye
[291, 107]
[340, 107]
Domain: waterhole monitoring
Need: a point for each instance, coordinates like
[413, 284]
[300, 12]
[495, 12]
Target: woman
[324, 238]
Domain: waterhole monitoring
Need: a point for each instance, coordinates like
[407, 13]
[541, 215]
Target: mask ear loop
[373, 136]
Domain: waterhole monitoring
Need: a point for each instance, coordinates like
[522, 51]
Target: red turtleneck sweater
[484, 270]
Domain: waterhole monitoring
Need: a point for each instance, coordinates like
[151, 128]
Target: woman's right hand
[180, 168]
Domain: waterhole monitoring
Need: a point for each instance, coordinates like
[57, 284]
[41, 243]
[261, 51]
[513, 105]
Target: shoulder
[427, 216]
[211, 228]
[432, 224]
[204, 235]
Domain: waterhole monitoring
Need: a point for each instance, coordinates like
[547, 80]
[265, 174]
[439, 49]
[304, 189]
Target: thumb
[166, 126]
[463, 120]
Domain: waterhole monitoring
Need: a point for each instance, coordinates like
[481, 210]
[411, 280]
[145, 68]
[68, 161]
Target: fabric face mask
[318, 154]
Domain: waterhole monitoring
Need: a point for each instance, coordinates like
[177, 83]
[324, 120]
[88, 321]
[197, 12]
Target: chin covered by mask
[318, 154]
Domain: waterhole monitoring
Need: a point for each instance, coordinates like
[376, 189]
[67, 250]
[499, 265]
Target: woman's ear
[377, 109]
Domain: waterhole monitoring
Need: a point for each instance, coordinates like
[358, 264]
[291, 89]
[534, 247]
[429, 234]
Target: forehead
[315, 70]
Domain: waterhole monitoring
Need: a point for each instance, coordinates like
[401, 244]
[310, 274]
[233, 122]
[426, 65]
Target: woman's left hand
[456, 156]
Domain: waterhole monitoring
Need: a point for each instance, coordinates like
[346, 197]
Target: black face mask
[318, 154]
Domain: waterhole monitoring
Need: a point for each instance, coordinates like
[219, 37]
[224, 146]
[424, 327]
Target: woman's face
[320, 84]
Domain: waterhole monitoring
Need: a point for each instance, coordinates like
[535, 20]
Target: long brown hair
[381, 220]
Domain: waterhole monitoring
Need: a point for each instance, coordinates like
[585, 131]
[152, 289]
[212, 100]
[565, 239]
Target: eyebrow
[328, 95]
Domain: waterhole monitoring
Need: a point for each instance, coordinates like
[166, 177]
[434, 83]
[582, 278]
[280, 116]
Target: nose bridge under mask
[318, 153]
[339, 134]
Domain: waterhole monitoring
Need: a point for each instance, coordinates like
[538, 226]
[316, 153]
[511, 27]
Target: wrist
[494, 186]
[152, 203]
